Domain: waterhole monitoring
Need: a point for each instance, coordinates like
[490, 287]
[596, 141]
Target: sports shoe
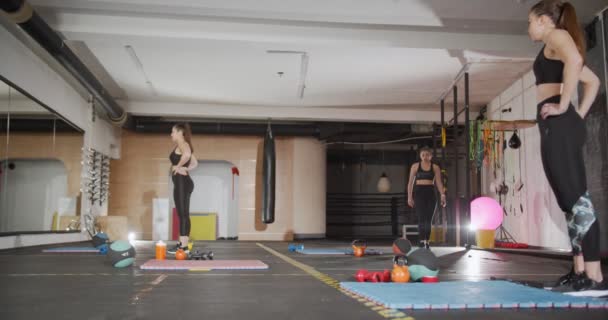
[178, 246]
[589, 287]
[567, 281]
[565, 278]
[582, 286]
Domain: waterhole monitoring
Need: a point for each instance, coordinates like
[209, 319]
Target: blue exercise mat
[71, 250]
[333, 251]
[466, 295]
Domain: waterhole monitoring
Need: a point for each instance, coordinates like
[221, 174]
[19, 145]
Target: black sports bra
[174, 157]
[425, 175]
[548, 70]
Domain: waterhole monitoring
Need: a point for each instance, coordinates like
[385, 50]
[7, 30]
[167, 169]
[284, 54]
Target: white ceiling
[380, 56]
[13, 102]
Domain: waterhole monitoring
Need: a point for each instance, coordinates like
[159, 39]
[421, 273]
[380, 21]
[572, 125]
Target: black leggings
[424, 204]
[182, 190]
[561, 146]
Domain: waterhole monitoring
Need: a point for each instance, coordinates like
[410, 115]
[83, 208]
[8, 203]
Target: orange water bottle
[161, 250]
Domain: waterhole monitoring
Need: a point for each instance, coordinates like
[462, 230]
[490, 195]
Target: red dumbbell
[373, 276]
[386, 276]
[361, 275]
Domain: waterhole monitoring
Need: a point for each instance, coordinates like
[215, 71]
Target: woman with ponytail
[558, 68]
[183, 161]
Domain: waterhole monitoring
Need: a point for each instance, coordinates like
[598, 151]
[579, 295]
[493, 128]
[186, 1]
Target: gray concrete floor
[84, 286]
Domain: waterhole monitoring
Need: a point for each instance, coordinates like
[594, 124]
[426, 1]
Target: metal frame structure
[460, 218]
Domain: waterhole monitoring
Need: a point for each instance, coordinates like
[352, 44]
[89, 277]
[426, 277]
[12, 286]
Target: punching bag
[268, 178]
[514, 142]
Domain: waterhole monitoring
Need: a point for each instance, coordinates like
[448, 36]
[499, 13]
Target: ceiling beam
[218, 111]
[81, 26]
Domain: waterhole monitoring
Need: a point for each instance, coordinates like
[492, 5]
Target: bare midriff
[547, 90]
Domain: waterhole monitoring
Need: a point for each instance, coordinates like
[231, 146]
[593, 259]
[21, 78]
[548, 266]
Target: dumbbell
[202, 255]
[292, 247]
[103, 250]
[373, 276]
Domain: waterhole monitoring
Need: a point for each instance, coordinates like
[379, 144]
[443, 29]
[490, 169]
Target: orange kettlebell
[180, 254]
[400, 271]
[359, 248]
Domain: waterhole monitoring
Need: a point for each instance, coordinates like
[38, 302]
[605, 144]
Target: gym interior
[307, 119]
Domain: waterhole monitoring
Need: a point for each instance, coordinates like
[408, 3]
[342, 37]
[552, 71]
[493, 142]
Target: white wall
[542, 223]
[30, 194]
[30, 72]
[25, 69]
[213, 194]
[27, 240]
[21, 104]
[105, 138]
[309, 188]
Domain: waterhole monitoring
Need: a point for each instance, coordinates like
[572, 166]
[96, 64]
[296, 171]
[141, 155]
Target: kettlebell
[359, 247]
[400, 271]
[180, 254]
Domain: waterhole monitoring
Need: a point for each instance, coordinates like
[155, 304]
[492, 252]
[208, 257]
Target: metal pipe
[464, 68]
[259, 129]
[442, 163]
[434, 139]
[467, 138]
[604, 27]
[21, 13]
[455, 154]
[455, 143]
[457, 114]
[36, 125]
[467, 170]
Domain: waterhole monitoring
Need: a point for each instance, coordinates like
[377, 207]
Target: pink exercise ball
[486, 214]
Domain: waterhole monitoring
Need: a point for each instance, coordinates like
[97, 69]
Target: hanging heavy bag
[268, 177]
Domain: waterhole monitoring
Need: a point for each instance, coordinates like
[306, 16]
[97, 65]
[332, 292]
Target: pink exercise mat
[154, 264]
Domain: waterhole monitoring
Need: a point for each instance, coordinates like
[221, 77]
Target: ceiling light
[384, 184]
[303, 68]
[140, 67]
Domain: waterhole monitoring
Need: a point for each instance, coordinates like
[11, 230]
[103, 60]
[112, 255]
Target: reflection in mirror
[40, 167]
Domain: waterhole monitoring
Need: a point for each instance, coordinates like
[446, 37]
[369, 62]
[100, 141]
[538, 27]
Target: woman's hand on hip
[550, 109]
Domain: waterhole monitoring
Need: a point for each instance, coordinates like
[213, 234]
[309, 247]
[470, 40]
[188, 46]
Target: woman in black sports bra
[424, 176]
[558, 68]
[182, 161]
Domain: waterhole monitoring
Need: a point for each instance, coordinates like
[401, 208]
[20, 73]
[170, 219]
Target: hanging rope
[472, 140]
[483, 143]
[480, 150]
